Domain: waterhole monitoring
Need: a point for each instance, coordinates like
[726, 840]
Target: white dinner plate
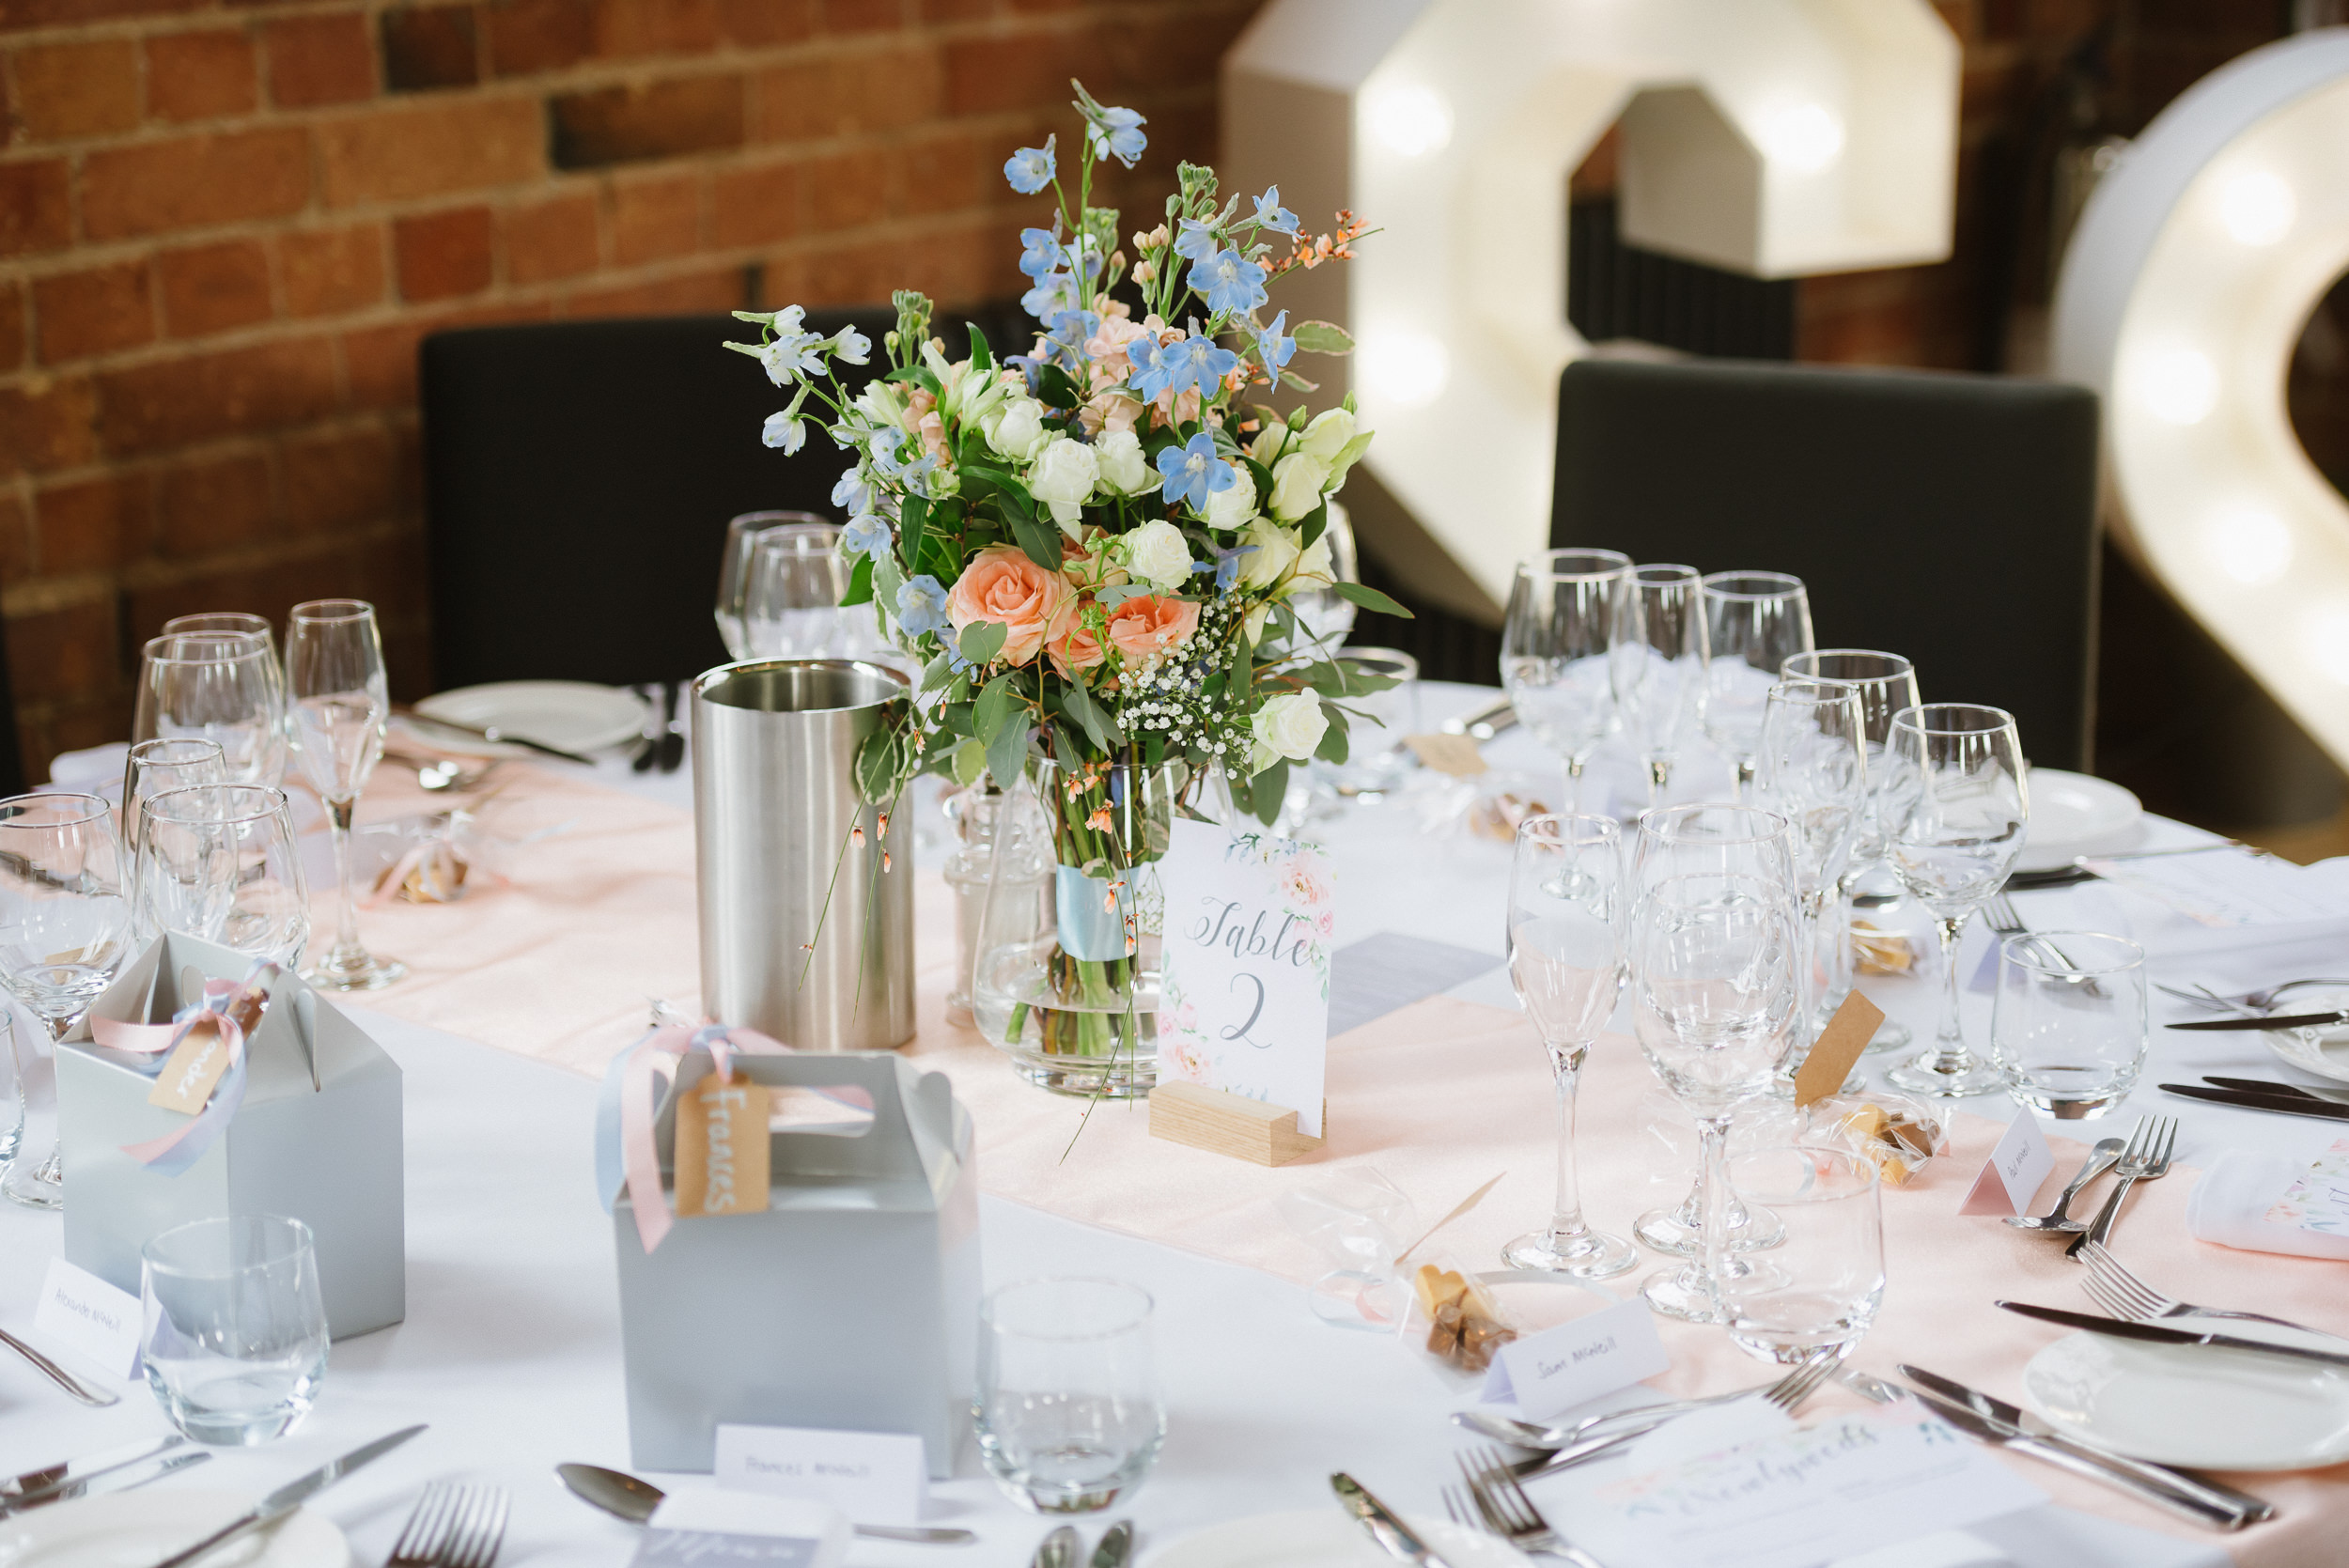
[571, 714]
[2189, 1406]
[2322, 1051]
[1325, 1538]
[2072, 813]
[137, 1527]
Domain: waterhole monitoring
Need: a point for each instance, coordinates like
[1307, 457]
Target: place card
[1246, 1001]
[1839, 1045]
[1452, 755]
[702, 1527]
[1552, 1372]
[90, 1317]
[879, 1478]
[722, 1148]
[2010, 1179]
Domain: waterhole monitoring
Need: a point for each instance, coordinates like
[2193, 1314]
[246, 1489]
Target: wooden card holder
[1227, 1123]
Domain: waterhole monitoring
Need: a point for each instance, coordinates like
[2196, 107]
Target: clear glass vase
[1067, 983]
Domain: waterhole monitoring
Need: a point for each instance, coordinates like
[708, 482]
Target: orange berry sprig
[1313, 252]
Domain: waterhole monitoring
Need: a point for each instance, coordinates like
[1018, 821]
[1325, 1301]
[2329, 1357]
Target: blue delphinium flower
[1232, 284]
[922, 606]
[1270, 213]
[1069, 329]
[883, 444]
[916, 477]
[867, 535]
[792, 355]
[1195, 239]
[1117, 132]
[852, 494]
[1272, 348]
[1195, 361]
[1154, 373]
[1054, 293]
[1044, 252]
[1193, 473]
[787, 430]
[1030, 168]
[1227, 566]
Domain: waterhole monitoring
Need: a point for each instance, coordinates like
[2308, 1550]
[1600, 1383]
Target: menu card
[1246, 1006]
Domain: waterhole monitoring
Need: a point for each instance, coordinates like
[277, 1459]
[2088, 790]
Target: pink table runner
[1439, 1097]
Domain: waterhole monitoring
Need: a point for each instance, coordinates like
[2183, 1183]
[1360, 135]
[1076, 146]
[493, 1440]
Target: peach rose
[1149, 627]
[1003, 585]
[1073, 644]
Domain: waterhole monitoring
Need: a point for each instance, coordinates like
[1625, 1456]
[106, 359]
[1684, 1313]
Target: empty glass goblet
[220, 686]
[1656, 666]
[1752, 621]
[221, 861]
[733, 570]
[1563, 607]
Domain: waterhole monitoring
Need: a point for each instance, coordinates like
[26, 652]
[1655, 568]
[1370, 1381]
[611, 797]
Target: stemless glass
[64, 930]
[791, 592]
[1325, 617]
[218, 685]
[1564, 605]
[1813, 771]
[1753, 620]
[2068, 1030]
[155, 766]
[1714, 950]
[335, 666]
[1067, 1413]
[221, 861]
[233, 1326]
[1820, 1286]
[1960, 805]
[733, 570]
[1566, 912]
[1656, 665]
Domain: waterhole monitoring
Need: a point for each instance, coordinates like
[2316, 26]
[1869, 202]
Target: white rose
[1289, 725]
[1268, 442]
[1297, 486]
[1063, 478]
[1124, 469]
[1017, 429]
[1275, 552]
[1236, 503]
[1327, 436]
[1157, 554]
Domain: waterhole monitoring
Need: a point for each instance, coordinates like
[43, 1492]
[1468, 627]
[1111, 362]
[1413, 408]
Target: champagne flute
[733, 570]
[1656, 664]
[1564, 605]
[1960, 806]
[64, 930]
[1713, 950]
[221, 861]
[1813, 771]
[791, 592]
[218, 685]
[341, 704]
[1752, 621]
[1565, 959]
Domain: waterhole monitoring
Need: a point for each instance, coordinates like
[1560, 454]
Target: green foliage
[1371, 598]
[1322, 337]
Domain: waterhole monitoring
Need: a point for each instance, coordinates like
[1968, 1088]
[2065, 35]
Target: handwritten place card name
[1246, 1004]
[90, 1317]
[878, 1477]
[2012, 1176]
[722, 1148]
[196, 1062]
[1550, 1373]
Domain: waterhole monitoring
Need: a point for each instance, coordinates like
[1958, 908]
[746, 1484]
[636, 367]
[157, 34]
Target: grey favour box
[852, 1303]
[327, 1153]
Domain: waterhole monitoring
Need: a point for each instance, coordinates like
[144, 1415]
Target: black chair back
[1948, 518]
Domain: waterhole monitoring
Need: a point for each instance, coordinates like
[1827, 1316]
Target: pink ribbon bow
[177, 1150]
[651, 1063]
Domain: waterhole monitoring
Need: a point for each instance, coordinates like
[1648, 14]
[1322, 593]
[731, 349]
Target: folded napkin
[2273, 1202]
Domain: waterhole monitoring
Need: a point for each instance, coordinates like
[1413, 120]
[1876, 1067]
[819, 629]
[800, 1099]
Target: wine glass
[221, 861]
[1656, 665]
[1325, 617]
[235, 623]
[733, 570]
[1562, 609]
[334, 668]
[64, 934]
[218, 685]
[1714, 954]
[1960, 805]
[791, 591]
[155, 766]
[1813, 771]
[1565, 959]
[1752, 621]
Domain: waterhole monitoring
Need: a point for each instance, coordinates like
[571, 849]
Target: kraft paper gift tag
[1837, 1048]
[722, 1148]
[195, 1063]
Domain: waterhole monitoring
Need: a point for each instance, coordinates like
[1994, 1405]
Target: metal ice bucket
[806, 927]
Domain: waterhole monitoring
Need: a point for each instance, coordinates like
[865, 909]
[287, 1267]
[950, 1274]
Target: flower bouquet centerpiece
[1089, 547]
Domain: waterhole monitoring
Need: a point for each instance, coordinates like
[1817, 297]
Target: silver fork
[2000, 912]
[1510, 1513]
[2125, 1296]
[2147, 1158]
[1786, 1393]
[2247, 1001]
[451, 1526]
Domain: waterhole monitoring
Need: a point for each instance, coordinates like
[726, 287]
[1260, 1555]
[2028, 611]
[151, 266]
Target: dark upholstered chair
[1948, 518]
[577, 479]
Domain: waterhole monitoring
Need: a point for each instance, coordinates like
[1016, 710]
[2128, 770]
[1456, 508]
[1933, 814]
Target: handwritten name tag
[195, 1064]
[2011, 1177]
[90, 1317]
[879, 1478]
[1552, 1372]
[722, 1148]
[1246, 1007]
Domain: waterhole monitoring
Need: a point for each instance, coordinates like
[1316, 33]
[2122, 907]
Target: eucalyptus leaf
[1372, 600]
[997, 702]
[967, 761]
[1040, 539]
[1006, 752]
[980, 642]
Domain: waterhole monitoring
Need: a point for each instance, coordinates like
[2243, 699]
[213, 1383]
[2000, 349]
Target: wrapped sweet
[1901, 1135]
[1464, 1324]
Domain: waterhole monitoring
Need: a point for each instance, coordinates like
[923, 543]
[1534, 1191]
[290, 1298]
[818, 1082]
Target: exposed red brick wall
[224, 226]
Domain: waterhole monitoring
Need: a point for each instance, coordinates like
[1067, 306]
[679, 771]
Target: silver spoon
[2099, 1161]
[623, 1495]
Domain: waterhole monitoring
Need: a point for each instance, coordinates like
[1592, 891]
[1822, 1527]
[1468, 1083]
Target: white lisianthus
[1327, 436]
[1297, 486]
[1267, 446]
[1234, 505]
[1017, 429]
[1157, 554]
[1124, 469]
[1275, 552]
[1063, 478]
[1290, 725]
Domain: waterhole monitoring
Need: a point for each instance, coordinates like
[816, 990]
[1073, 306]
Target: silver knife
[1391, 1534]
[19, 1490]
[2280, 1020]
[112, 1481]
[2120, 1328]
[2208, 1494]
[1117, 1546]
[291, 1495]
[1483, 723]
[2245, 1099]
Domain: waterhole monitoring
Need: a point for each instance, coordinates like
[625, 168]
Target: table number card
[1246, 1007]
